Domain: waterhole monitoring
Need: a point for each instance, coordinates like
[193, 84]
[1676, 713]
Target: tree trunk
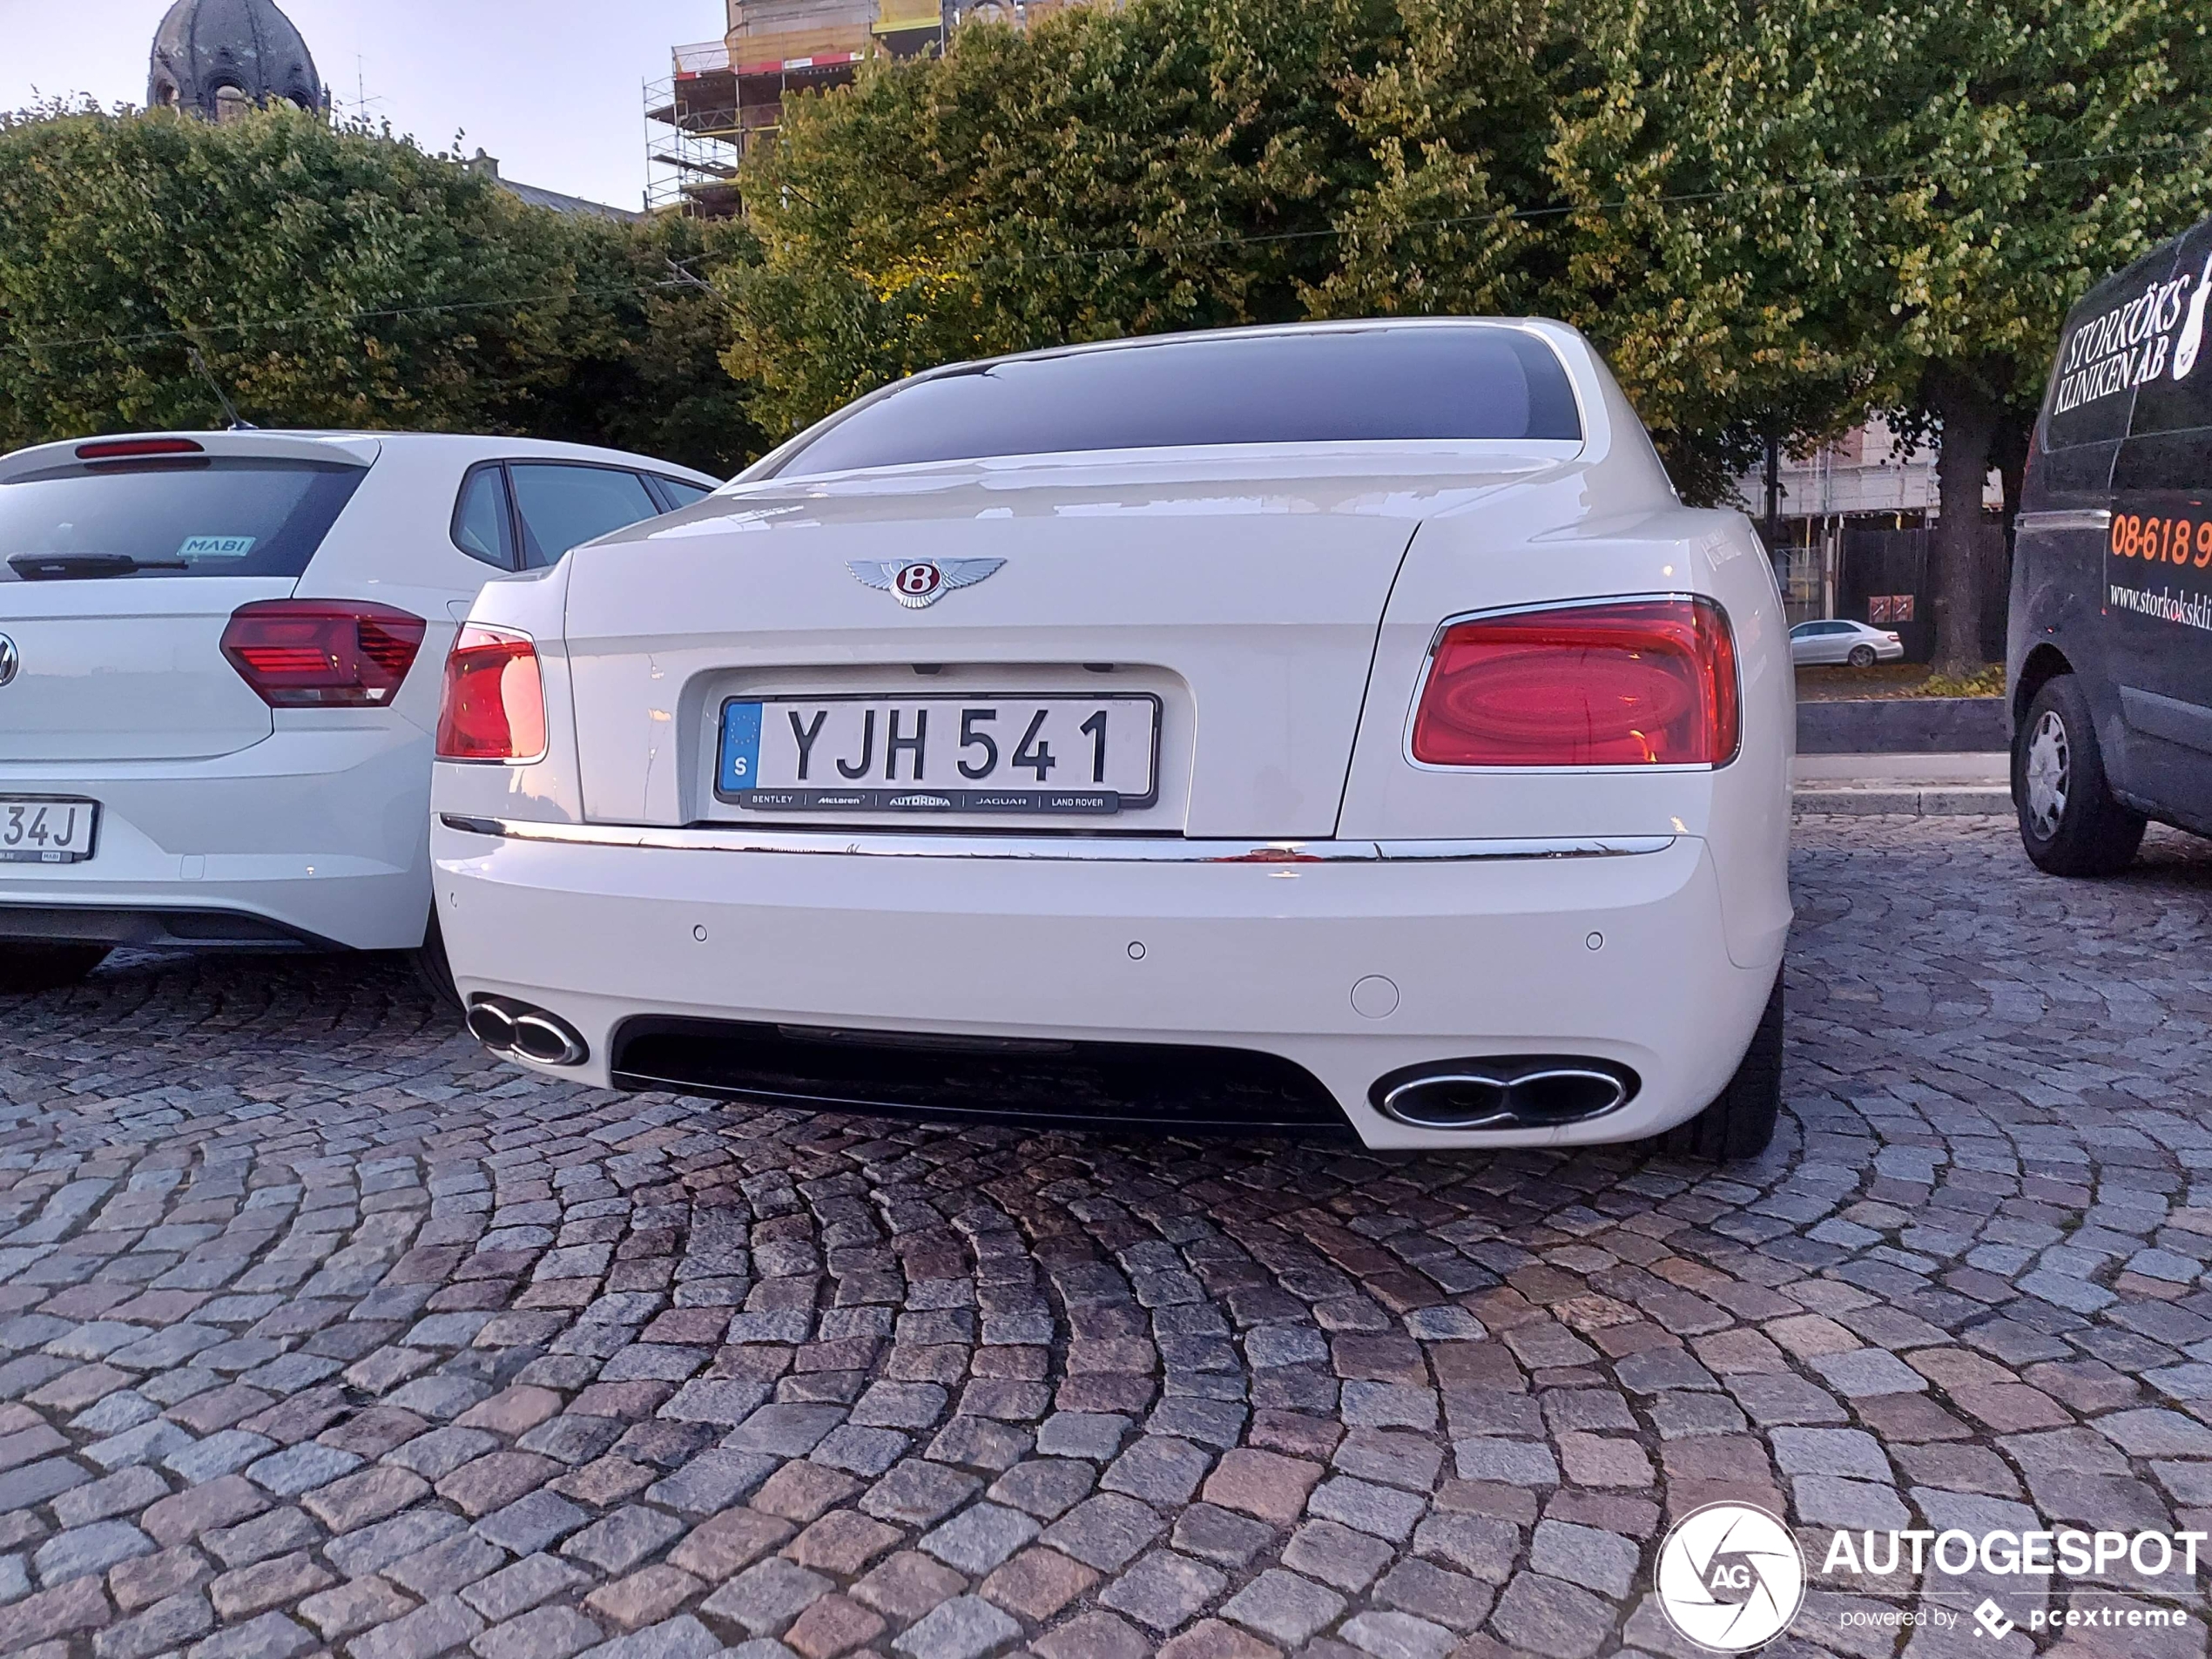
[1969, 417]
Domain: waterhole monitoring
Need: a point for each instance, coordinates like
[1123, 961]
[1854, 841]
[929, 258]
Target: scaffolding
[695, 133]
[724, 97]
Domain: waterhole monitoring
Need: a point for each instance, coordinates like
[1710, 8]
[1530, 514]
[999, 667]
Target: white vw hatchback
[218, 674]
[1321, 725]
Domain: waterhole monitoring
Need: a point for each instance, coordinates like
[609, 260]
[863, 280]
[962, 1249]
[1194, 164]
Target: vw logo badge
[10, 659]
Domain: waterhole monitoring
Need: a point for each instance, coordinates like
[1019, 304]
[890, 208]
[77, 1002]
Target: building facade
[219, 58]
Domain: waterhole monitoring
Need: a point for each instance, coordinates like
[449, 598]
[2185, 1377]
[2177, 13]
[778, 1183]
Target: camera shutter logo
[10, 659]
[1731, 1577]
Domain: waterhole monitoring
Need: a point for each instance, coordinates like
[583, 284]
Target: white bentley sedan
[1338, 725]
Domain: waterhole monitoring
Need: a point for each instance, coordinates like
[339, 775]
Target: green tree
[333, 277]
[2017, 151]
[654, 381]
[1166, 164]
[1683, 237]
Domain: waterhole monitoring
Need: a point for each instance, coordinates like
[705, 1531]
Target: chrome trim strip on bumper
[1059, 849]
[2087, 518]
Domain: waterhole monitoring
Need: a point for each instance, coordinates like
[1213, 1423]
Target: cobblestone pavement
[321, 1330]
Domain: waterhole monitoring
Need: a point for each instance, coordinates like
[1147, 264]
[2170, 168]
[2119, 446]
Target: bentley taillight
[1627, 683]
[323, 653]
[495, 697]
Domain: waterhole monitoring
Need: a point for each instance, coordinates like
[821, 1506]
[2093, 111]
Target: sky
[552, 87]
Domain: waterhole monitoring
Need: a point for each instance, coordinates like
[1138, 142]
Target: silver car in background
[1858, 644]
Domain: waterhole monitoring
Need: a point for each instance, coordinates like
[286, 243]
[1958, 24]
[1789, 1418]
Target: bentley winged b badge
[920, 583]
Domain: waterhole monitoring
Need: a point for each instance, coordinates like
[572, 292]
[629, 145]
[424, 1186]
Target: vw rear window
[191, 516]
[1373, 384]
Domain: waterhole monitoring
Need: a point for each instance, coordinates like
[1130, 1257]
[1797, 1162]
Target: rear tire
[2070, 824]
[1862, 657]
[28, 968]
[432, 968]
[1741, 1124]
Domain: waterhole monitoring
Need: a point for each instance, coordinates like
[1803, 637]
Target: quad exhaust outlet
[506, 1026]
[1529, 1091]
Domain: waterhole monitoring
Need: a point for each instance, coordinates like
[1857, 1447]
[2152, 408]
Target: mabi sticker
[217, 547]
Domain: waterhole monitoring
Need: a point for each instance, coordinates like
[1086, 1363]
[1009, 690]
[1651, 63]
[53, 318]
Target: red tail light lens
[323, 653]
[495, 699]
[1637, 682]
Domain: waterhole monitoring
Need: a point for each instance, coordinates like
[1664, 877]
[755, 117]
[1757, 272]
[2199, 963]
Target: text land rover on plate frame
[1340, 723]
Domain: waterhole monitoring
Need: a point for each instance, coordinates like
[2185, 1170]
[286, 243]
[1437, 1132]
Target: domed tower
[219, 58]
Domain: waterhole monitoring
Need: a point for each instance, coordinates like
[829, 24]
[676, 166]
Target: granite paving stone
[322, 1329]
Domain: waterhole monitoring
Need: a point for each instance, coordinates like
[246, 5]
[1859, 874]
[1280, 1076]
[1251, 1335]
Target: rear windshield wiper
[80, 567]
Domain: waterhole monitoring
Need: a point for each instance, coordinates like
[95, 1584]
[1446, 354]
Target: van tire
[28, 968]
[1862, 657]
[2070, 825]
[432, 968]
[1742, 1122]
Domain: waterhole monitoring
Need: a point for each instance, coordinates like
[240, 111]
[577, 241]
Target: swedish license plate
[46, 831]
[1018, 754]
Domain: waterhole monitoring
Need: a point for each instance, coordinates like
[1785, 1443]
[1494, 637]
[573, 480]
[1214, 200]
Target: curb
[1955, 801]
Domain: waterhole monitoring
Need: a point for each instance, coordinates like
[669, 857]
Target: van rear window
[2178, 398]
[1404, 384]
[191, 516]
[2116, 340]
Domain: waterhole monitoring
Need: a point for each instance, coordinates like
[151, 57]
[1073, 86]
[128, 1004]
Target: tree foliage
[333, 277]
[2027, 148]
[1895, 204]
[1771, 219]
[1167, 164]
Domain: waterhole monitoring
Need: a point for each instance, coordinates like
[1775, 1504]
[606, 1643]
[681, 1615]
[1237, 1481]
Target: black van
[2109, 645]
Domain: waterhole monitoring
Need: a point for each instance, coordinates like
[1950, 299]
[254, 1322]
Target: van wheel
[432, 968]
[1741, 1124]
[1862, 657]
[25, 968]
[2069, 822]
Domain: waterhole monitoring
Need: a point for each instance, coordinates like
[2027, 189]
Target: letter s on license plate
[1026, 753]
[46, 831]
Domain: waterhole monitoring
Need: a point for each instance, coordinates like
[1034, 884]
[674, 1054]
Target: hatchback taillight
[323, 653]
[1630, 683]
[495, 697]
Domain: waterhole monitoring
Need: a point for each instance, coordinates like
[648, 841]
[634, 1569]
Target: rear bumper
[312, 837]
[1619, 957]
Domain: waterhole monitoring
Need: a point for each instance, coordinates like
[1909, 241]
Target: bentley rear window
[1383, 383]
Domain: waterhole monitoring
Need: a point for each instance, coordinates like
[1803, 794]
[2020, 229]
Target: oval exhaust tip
[492, 1026]
[1450, 1101]
[1564, 1095]
[549, 1042]
[1534, 1091]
